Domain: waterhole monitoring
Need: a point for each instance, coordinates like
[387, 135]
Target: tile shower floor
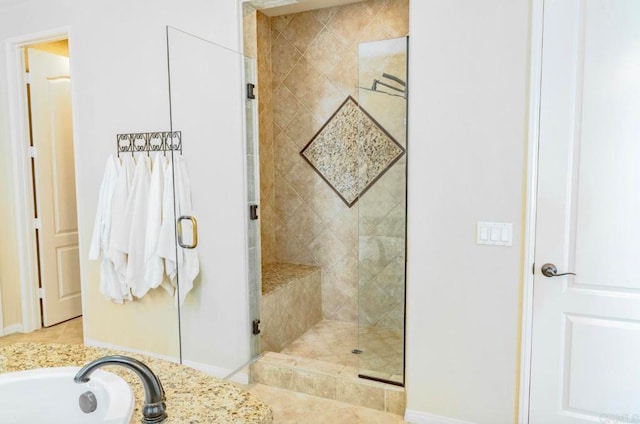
[334, 341]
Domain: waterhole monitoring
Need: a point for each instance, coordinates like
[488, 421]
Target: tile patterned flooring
[333, 341]
[328, 341]
[68, 332]
[288, 407]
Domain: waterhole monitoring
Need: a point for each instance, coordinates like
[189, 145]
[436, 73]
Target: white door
[55, 189]
[586, 328]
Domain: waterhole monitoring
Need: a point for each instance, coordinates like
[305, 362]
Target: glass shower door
[382, 208]
[209, 106]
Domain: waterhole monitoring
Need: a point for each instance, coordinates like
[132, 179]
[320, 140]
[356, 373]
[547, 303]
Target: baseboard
[221, 373]
[94, 343]
[11, 329]
[419, 417]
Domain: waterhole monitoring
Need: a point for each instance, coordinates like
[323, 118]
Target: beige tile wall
[291, 309]
[314, 66]
[265, 125]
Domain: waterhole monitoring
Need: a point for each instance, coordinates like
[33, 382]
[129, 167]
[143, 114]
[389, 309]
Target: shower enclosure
[205, 228]
[382, 210]
[211, 105]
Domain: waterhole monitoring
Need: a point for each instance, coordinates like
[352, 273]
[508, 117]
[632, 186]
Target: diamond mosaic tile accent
[352, 151]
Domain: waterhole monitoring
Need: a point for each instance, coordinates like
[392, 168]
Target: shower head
[394, 78]
[377, 82]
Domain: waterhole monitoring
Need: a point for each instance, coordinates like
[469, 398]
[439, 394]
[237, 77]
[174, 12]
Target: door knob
[550, 270]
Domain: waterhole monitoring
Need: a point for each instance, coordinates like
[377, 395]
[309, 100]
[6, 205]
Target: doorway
[48, 88]
[584, 336]
[42, 134]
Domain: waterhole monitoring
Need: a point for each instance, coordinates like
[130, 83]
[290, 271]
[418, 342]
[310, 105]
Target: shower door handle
[194, 230]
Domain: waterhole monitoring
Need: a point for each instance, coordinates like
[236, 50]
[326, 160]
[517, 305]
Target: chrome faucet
[154, 410]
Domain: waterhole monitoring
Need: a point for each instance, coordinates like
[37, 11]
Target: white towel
[167, 241]
[119, 238]
[100, 241]
[136, 212]
[102, 222]
[188, 263]
[154, 265]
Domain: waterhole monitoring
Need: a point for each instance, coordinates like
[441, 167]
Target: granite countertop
[192, 396]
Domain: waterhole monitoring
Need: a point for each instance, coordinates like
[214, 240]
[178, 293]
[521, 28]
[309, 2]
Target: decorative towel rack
[149, 142]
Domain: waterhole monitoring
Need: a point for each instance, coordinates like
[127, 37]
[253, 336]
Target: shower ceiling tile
[351, 151]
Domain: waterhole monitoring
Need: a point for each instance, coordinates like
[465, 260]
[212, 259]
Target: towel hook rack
[163, 141]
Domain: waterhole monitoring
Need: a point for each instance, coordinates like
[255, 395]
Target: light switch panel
[495, 233]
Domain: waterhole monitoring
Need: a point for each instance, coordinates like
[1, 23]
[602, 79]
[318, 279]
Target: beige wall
[9, 272]
[469, 73]
[111, 96]
[315, 67]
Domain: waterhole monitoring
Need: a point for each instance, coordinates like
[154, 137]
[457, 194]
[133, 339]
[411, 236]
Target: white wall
[467, 128]
[119, 84]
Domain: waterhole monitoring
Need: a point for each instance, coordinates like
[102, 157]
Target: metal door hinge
[253, 212]
[37, 223]
[33, 152]
[41, 293]
[256, 327]
[27, 78]
[250, 93]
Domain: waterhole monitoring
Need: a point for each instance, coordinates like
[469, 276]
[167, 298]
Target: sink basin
[50, 395]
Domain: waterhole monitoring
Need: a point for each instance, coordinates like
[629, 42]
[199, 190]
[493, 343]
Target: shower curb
[326, 380]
